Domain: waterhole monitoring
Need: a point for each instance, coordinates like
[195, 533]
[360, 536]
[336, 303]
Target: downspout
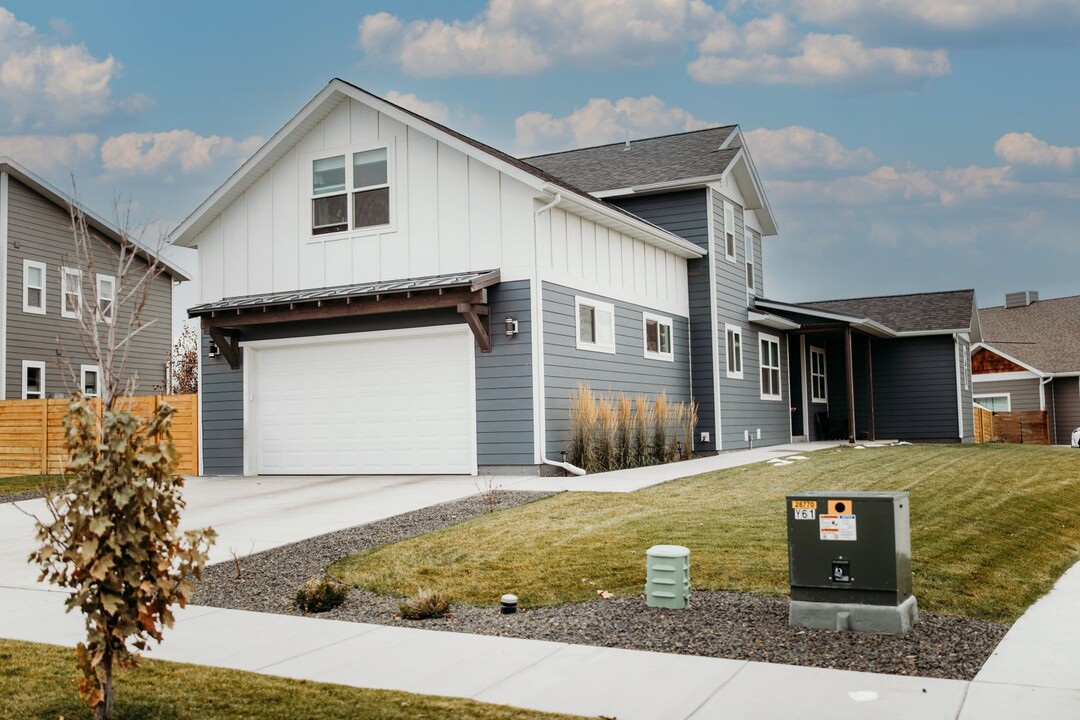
[538, 349]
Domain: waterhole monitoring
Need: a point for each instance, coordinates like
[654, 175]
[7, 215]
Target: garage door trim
[252, 348]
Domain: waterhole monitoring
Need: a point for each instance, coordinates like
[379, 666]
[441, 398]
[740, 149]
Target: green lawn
[29, 484]
[37, 682]
[993, 526]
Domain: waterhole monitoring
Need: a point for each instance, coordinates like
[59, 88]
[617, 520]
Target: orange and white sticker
[837, 527]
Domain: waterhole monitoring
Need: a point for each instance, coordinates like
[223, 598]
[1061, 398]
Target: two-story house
[382, 294]
[42, 351]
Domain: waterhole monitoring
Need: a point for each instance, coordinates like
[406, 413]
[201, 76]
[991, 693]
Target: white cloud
[603, 121]
[839, 60]
[150, 152]
[40, 153]
[798, 148]
[1026, 149]
[516, 37]
[431, 109]
[48, 85]
[889, 185]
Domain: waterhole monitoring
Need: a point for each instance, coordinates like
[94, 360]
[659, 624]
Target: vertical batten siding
[915, 388]
[41, 231]
[1066, 394]
[504, 387]
[627, 370]
[685, 214]
[1023, 393]
[741, 406]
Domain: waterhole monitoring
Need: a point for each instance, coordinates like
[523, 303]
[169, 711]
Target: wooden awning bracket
[479, 321]
[228, 344]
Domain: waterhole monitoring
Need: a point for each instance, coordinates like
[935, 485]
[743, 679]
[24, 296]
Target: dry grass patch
[993, 526]
[37, 682]
[23, 484]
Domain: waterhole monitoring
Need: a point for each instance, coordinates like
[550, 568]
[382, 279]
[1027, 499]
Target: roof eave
[1027, 366]
[867, 325]
[684, 184]
[746, 175]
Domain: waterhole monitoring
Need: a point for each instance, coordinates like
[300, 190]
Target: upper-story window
[819, 389]
[70, 292]
[34, 287]
[733, 341]
[658, 333]
[748, 245]
[595, 325]
[350, 191]
[729, 231]
[770, 367]
[106, 297]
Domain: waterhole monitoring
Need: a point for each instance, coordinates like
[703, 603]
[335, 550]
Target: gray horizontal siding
[628, 371]
[915, 388]
[41, 231]
[504, 381]
[966, 402]
[222, 414]
[1023, 393]
[685, 213]
[1066, 395]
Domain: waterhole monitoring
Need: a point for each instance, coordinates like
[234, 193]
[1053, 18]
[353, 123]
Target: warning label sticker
[837, 527]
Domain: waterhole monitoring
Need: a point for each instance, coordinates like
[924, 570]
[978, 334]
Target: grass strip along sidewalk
[993, 526]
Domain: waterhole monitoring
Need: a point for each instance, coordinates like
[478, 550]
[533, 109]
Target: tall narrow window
[70, 292]
[658, 337]
[770, 367]
[729, 231]
[819, 390]
[33, 380]
[595, 325]
[34, 287]
[89, 380]
[106, 297]
[733, 341]
[748, 246]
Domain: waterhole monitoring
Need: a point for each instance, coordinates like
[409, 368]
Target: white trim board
[4, 181]
[1004, 377]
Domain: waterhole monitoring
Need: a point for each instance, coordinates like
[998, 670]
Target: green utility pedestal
[667, 576]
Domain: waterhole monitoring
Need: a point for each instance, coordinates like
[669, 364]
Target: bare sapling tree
[112, 537]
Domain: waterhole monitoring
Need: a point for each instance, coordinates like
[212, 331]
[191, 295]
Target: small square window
[351, 192]
[369, 169]
[595, 325]
[371, 207]
[33, 373]
[89, 378]
[658, 334]
[328, 175]
[330, 214]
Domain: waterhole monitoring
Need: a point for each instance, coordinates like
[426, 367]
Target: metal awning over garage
[465, 292]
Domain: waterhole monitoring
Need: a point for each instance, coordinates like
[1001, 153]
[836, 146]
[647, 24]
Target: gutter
[539, 389]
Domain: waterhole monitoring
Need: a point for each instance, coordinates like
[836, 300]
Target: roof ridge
[623, 142]
[881, 297]
[1034, 302]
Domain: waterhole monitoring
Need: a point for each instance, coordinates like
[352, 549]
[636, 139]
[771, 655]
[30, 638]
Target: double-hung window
[34, 287]
[350, 191]
[88, 379]
[70, 292]
[819, 389]
[770, 367]
[106, 297]
[33, 380]
[658, 333]
[733, 342]
[995, 403]
[595, 325]
[729, 231]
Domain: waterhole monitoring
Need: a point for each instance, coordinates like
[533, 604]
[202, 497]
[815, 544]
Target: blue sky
[906, 145]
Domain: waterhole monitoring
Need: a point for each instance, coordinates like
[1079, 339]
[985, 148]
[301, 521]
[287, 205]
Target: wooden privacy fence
[1027, 428]
[32, 432]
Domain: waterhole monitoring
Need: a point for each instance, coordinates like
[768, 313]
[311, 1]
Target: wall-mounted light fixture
[511, 326]
[212, 350]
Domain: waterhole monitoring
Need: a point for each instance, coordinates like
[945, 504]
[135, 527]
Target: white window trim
[27, 307]
[668, 356]
[729, 229]
[748, 248]
[83, 369]
[348, 151]
[824, 375]
[26, 364]
[764, 337]
[112, 305]
[734, 374]
[1007, 396]
[596, 305]
[65, 272]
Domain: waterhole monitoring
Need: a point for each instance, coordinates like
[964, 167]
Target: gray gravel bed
[19, 497]
[741, 626]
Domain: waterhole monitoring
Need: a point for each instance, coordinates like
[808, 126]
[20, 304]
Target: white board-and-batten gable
[455, 206]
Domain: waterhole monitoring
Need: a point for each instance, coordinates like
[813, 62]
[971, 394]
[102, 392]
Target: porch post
[850, 372]
[870, 385]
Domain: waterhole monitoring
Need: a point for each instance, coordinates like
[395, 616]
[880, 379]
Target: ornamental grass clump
[320, 595]
[425, 604]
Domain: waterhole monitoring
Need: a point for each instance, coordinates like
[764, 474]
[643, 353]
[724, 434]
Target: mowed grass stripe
[993, 526]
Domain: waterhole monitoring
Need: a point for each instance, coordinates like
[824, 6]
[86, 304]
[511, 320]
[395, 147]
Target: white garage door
[399, 402]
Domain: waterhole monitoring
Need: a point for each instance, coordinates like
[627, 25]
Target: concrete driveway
[252, 514]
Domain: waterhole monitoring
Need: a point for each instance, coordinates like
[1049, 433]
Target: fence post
[44, 436]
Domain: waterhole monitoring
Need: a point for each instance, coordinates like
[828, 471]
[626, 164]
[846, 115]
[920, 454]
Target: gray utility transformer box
[849, 560]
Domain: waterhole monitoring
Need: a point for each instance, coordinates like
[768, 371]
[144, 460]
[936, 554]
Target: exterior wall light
[511, 327]
[212, 350]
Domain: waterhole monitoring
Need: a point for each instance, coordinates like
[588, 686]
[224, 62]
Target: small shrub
[605, 436]
[624, 434]
[642, 413]
[320, 595]
[660, 419]
[425, 604]
[690, 420]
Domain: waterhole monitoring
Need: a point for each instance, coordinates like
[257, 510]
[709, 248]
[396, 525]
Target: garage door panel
[368, 405]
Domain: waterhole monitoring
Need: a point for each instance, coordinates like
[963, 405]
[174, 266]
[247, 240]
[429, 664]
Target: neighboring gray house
[1029, 359]
[41, 350]
[381, 294]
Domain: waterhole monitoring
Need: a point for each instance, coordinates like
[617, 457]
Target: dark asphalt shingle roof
[652, 160]
[1044, 334]
[917, 312]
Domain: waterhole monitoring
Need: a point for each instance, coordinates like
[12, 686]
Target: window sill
[665, 357]
[347, 234]
[592, 347]
[33, 311]
[734, 375]
[773, 398]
